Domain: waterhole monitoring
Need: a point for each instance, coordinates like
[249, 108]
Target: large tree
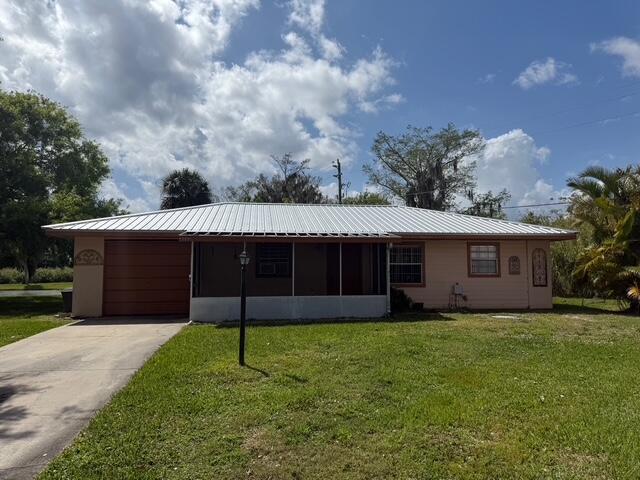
[487, 204]
[185, 188]
[291, 184]
[424, 168]
[44, 158]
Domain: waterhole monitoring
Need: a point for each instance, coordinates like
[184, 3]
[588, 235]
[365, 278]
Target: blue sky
[219, 86]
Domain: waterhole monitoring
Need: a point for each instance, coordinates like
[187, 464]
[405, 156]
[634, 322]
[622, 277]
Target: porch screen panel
[310, 269]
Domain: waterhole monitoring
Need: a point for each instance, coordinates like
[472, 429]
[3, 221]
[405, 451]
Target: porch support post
[388, 272]
[340, 268]
[191, 277]
[293, 269]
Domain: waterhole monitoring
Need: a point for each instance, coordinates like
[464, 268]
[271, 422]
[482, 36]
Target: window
[405, 265]
[273, 260]
[484, 260]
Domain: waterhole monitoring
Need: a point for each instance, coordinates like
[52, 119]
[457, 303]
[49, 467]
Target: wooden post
[340, 258]
[388, 268]
[293, 269]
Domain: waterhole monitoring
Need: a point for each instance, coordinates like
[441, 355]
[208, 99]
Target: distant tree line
[420, 168]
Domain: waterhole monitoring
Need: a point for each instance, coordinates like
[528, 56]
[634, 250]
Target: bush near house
[42, 275]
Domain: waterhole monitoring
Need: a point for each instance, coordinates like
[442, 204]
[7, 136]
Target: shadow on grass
[404, 317]
[590, 309]
[29, 306]
[264, 373]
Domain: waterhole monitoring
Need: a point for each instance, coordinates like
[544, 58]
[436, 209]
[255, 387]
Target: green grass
[22, 317]
[588, 304]
[471, 396]
[36, 286]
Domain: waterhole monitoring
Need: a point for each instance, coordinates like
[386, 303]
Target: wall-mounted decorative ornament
[514, 265]
[88, 257]
[539, 258]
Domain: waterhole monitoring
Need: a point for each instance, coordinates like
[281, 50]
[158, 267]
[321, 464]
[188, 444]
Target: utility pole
[338, 167]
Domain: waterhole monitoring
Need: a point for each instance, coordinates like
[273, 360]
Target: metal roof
[296, 220]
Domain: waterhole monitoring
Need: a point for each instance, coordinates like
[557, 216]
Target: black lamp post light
[244, 261]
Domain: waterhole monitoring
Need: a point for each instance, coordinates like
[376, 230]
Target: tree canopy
[424, 168]
[366, 198]
[50, 173]
[185, 188]
[291, 184]
[608, 200]
[487, 204]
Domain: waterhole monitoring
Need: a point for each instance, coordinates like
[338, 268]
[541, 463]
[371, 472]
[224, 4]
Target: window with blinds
[484, 260]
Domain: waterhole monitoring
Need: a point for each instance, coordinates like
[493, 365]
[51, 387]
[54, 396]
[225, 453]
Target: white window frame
[420, 263]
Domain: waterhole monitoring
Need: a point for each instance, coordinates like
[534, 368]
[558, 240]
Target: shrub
[400, 301]
[11, 275]
[46, 275]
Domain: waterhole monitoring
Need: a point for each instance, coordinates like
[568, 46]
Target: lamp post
[244, 261]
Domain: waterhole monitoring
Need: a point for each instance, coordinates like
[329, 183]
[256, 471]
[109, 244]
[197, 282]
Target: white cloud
[549, 71]
[511, 161]
[488, 78]
[109, 189]
[626, 48]
[144, 79]
[307, 14]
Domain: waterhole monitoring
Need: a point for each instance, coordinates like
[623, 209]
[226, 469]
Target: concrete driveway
[52, 384]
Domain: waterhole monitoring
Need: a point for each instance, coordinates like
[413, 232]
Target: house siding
[88, 279]
[446, 262]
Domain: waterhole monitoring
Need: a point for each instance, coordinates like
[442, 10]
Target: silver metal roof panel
[261, 219]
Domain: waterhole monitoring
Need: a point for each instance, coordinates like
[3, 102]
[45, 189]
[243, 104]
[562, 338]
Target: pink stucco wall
[446, 263]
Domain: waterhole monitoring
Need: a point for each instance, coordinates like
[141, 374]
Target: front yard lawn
[36, 286]
[22, 317]
[459, 396]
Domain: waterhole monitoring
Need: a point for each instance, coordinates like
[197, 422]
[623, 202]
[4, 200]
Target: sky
[221, 85]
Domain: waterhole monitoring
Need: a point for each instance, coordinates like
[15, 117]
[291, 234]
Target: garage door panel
[147, 308]
[143, 271]
[147, 247]
[148, 277]
[114, 296]
[149, 260]
[155, 284]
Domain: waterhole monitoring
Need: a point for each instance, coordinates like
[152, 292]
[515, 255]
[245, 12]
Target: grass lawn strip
[543, 395]
[35, 286]
[21, 317]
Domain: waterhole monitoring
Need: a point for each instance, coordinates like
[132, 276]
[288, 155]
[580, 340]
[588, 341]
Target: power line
[590, 122]
[537, 205]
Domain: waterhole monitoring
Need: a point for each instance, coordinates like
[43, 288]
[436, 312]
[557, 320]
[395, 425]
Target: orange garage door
[146, 277]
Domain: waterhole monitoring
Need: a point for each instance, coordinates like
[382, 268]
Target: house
[306, 261]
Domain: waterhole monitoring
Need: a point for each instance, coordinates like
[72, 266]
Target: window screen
[484, 259]
[273, 260]
[406, 264]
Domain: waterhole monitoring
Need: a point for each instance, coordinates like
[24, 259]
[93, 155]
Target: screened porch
[285, 280]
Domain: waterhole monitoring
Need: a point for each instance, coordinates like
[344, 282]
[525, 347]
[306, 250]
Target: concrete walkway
[29, 293]
[52, 384]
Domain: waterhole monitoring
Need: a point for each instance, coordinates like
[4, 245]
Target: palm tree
[602, 198]
[185, 188]
[609, 200]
